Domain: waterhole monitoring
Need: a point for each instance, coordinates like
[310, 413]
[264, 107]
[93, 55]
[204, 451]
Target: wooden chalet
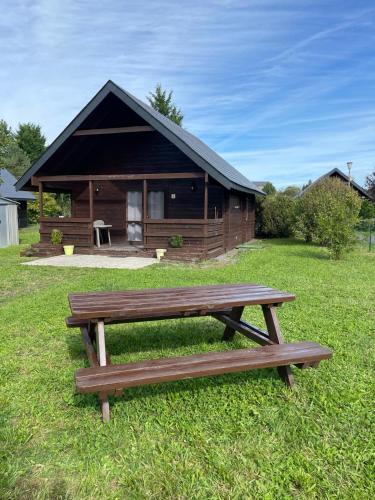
[124, 163]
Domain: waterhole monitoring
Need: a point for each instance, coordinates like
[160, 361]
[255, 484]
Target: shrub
[278, 215]
[176, 241]
[367, 209]
[50, 208]
[56, 237]
[328, 213]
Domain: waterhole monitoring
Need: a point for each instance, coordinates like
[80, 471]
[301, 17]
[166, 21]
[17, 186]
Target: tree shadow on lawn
[305, 250]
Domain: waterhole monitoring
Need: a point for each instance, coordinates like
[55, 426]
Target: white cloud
[283, 89]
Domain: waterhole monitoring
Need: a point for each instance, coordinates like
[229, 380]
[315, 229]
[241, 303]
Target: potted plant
[176, 241]
[56, 237]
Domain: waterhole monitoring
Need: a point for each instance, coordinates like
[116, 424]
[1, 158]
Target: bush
[176, 241]
[328, 213]
[367, 209]
[50, 208]
[278, 215]
[56, 237]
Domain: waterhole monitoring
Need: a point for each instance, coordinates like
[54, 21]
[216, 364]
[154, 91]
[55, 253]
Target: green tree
[367, 209]
[6, 136]
[50, 208]
[30, 139]
[291, 191]
[161, 100]
[370, 184]
[269, 188]
[328, 214]
[14, 159]
[278, 215]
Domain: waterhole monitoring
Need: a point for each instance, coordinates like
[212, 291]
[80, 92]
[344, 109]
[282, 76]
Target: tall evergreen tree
[12, 157]
[30, 139]
[161, 100]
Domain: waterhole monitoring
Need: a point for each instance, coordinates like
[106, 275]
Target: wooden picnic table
[92, 311]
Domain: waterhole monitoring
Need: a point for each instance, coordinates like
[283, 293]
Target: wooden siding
[110, 202]
[75, 231]
[147, 152]
[201, 239]
[239, 219]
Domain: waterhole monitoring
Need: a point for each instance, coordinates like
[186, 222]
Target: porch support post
[40, 199]
[91, 203]
[205, 216]
[91, 198]
[145, 200]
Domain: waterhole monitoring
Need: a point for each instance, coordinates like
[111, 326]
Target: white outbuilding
[8, 222]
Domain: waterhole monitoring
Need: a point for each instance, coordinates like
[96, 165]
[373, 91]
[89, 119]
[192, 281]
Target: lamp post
[349, 165]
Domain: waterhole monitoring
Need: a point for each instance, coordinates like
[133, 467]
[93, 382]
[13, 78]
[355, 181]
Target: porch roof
[194, 148]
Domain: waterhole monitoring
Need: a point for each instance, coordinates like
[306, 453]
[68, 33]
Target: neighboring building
[124, 163]
[337, 173]
[8, 222]
[260, 184]
[8, 190]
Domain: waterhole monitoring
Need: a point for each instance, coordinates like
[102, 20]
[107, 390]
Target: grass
[234, 436]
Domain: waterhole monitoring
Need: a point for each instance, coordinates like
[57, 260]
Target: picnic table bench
[92, 311]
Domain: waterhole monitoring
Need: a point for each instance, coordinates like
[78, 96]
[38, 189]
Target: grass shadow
[152, 336]
[158, 337]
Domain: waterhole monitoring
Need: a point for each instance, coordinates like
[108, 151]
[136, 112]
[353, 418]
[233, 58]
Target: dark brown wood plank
[90, 351]
[116, 377]
[117, 130]
[120, 177]
[235, 315]
[250, 331]
[274, 333]
[144, 302]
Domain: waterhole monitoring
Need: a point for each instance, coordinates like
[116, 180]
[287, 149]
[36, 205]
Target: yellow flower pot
[68, 249]
[160, 253]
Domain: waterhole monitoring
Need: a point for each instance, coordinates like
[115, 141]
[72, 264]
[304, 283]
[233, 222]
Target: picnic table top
[140, 303]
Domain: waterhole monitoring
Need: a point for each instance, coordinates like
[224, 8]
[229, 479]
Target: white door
[134, 215]
[155, 205]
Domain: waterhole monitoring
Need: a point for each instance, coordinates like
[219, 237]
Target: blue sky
[284, 90]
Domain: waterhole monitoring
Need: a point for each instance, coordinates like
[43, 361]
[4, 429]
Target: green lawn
[234, 436]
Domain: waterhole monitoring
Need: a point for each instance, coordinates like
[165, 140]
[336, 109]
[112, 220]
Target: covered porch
[143, 210]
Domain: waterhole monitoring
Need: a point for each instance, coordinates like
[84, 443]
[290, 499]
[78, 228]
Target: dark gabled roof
[193, 147]
[336, 172]
[8, 189]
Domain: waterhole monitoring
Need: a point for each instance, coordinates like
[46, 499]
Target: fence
[365, 230]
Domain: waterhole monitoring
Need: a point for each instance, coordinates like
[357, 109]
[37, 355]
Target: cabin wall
[239, 219]
[183, 199]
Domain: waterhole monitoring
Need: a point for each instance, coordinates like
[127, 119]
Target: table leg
[100, 345]
[235, 314]
[109, 237]
[274, 332]
[97, 237]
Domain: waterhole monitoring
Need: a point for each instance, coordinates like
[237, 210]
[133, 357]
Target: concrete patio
[94, 261]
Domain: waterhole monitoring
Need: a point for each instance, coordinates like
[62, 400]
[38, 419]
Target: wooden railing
[76, 231]
[204, 238]
[201, 238]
